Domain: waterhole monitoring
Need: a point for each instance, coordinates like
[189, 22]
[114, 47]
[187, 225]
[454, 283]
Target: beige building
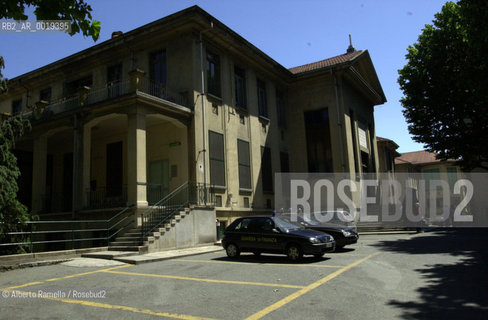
[127, 121]
[387, 153]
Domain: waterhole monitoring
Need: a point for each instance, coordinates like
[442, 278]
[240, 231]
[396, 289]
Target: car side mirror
[276, 230]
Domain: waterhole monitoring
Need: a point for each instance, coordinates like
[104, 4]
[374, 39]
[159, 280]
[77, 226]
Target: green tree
[12, 212]
[445, 84]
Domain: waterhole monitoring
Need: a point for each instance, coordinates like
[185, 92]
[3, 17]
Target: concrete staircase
[132, 240]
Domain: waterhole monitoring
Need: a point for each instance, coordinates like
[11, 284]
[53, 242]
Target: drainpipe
[202, 95]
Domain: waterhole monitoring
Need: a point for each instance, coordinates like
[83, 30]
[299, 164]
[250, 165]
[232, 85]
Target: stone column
[39, 173]
[78, 135]
[136, 160]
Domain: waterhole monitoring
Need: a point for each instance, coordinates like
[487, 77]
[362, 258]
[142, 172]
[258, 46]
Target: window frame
[17, 106]
[213, 158]
[266, 170]
[244, 166]
[42, 92]
[213, 71]
[262, 98]
[240, 87]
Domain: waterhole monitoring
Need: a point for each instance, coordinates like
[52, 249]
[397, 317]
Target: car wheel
[339, 247]
[232, 251]
[319, 255]
[257, 253]
[294, 252]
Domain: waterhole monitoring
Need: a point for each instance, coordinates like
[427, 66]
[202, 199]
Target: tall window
[280, 108]
[45, 95]
[16, 106]
[157, 67]
[244, 165]
[217, 162]
[114, 77]
[319, 150]
[240, 79]
[72, 88]
[213, 74]
[263, 108]
[266, 173]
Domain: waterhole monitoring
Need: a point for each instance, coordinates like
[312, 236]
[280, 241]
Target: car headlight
[346, 233]
[314, 240]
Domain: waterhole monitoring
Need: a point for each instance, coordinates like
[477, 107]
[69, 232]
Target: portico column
[39, 173]
[136, 160]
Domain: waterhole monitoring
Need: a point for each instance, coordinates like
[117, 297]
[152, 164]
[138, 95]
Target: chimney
[350, 49]
[116, 34]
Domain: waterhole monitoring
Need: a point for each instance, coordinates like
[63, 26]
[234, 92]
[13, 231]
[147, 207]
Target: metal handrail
[165, 209]
[115, 222]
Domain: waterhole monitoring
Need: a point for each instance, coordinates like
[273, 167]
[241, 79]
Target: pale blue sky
[292, 32]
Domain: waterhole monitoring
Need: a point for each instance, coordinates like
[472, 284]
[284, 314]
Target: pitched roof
[387, 141]
[418, 157]
[327, 62]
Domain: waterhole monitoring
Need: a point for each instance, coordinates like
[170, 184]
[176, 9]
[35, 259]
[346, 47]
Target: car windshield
[285, 224]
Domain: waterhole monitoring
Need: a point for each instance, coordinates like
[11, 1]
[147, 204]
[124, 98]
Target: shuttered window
[266, 173]
[244, 165]
[217, 161]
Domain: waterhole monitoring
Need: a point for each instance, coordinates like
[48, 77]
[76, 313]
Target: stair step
[125, 248]
[125, 243]
[132, 234]
[123, 238]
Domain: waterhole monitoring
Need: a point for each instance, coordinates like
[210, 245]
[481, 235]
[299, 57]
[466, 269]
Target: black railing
[162, 91]
[164, 210]
[156, 192]
[37, 236]
[107, 197]
[107, 92]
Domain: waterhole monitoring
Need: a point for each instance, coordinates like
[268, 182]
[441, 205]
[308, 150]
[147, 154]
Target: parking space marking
[124, 308]
[299, 293]
[65, 277]
[275, 285]
[266, 264]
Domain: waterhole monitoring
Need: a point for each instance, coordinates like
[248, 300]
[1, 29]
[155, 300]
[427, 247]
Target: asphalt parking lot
[404, 276]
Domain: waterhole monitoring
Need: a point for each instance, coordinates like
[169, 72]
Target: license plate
[328, 245]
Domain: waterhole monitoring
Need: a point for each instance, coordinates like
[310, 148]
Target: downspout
[202, 95]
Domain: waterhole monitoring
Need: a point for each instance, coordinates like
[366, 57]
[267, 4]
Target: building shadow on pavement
[452, 291]
[270, 258]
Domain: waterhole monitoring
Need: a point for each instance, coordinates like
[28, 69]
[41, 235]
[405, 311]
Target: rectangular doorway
[158, 186]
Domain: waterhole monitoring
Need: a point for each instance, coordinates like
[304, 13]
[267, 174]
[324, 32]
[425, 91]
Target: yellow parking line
[276, 285]
[266, 264]
[124, 308]
[293, 296]
[65, 277]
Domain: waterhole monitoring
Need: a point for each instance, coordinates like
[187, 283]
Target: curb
[141, 259]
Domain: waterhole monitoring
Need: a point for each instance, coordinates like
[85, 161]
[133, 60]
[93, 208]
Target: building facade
[181, 99]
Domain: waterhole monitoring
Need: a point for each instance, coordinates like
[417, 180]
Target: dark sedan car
[340, 225]
[274, 235]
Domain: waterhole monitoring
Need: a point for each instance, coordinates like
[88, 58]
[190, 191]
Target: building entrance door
[158, 186]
